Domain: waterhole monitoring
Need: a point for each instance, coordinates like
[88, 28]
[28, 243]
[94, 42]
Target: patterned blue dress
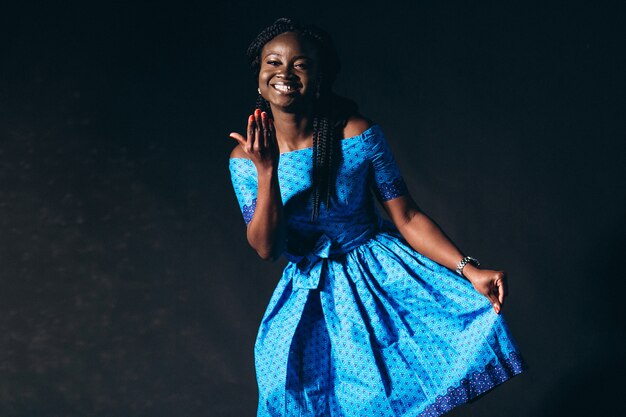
[360, 324]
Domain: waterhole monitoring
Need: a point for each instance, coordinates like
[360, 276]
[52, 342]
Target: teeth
[284, 87]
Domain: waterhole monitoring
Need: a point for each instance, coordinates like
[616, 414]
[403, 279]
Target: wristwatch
[465, 260]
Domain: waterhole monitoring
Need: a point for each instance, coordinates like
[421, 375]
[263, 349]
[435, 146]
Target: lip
[294, 87]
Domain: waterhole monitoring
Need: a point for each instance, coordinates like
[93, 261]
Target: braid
[315, 200]
[327, 122]
[321, 164]
[264, 105]
[329, 165]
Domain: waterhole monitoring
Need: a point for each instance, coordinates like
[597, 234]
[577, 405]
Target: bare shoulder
[237, 152]
[356, 125]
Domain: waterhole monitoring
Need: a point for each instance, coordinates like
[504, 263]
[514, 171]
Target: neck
[293, 130]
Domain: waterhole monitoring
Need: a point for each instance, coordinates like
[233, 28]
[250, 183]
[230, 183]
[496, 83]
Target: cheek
[263, 77]
[308, 82]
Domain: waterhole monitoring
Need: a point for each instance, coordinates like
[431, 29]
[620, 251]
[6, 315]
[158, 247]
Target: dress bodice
[363, 164]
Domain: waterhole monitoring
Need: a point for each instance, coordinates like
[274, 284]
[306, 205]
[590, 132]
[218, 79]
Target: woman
[369, 318]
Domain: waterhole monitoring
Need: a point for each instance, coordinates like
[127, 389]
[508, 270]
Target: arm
[422, 233]
[266, 229]
[426, 237]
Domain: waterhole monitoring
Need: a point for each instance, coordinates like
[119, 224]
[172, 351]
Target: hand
[491, 284]
[260, 145]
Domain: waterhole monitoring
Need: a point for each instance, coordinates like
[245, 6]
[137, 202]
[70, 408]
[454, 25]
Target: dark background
[127, 287]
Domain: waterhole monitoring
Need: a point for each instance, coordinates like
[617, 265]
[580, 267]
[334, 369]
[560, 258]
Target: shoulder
[356, 125]
[237, 152]
[238, 164]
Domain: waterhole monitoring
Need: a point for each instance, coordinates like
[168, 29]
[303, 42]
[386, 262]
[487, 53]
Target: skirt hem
[476, 385]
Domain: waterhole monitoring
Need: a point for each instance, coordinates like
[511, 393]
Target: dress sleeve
[244, 178]
[386, 180]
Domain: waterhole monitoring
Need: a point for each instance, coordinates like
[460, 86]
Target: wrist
[266, 171]
[464, 262]
[470, 271]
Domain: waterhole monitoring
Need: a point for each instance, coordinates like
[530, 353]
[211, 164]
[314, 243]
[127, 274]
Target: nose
[286, 73]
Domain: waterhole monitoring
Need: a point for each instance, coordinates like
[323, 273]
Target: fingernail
[497, 309]
[263, 114]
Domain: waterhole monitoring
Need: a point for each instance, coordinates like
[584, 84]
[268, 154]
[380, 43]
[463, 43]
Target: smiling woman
[288, 64]
[288, 70]
[369, 317]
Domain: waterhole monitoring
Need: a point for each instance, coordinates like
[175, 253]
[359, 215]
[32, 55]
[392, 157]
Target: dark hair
[331, 112]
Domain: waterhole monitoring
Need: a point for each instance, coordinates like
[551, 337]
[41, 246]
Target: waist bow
[309, 267]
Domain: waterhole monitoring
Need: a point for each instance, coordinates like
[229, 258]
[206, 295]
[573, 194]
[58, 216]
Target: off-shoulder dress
[361, 324]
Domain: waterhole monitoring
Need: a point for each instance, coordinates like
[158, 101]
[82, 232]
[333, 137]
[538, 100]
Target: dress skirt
[386, 332]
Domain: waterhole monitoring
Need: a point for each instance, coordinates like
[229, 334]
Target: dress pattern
[361, 324]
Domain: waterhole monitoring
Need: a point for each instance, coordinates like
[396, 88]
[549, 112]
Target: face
[289, 67]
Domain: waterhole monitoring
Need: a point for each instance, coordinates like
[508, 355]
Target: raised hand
[260, 144]
[491, 284]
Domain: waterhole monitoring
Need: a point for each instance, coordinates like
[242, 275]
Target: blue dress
[360, 324]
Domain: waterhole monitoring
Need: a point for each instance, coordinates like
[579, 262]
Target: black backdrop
[126, 284]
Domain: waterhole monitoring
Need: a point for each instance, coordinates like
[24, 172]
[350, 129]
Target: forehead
[289, 44]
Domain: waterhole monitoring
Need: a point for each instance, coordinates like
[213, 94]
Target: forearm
[426, 237]
[266, 230]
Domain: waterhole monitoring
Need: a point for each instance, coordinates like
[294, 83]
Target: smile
[286, 88]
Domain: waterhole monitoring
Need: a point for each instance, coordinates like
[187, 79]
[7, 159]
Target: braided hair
[331, 112]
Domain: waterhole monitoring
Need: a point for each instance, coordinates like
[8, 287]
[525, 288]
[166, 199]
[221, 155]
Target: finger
[239, 138]
[269, 131]
[266, 130]
[250, 139]
[496, 308]
[505, 284]
[500, 284]
[494, 302]
[257, 130]
[272, 137]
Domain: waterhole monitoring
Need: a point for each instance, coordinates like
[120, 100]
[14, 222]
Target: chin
[293, 103]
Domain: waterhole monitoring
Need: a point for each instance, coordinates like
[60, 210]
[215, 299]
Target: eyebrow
[296, 57]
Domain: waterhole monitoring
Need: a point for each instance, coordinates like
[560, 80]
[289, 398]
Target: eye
[273, 62]
[302, 65]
